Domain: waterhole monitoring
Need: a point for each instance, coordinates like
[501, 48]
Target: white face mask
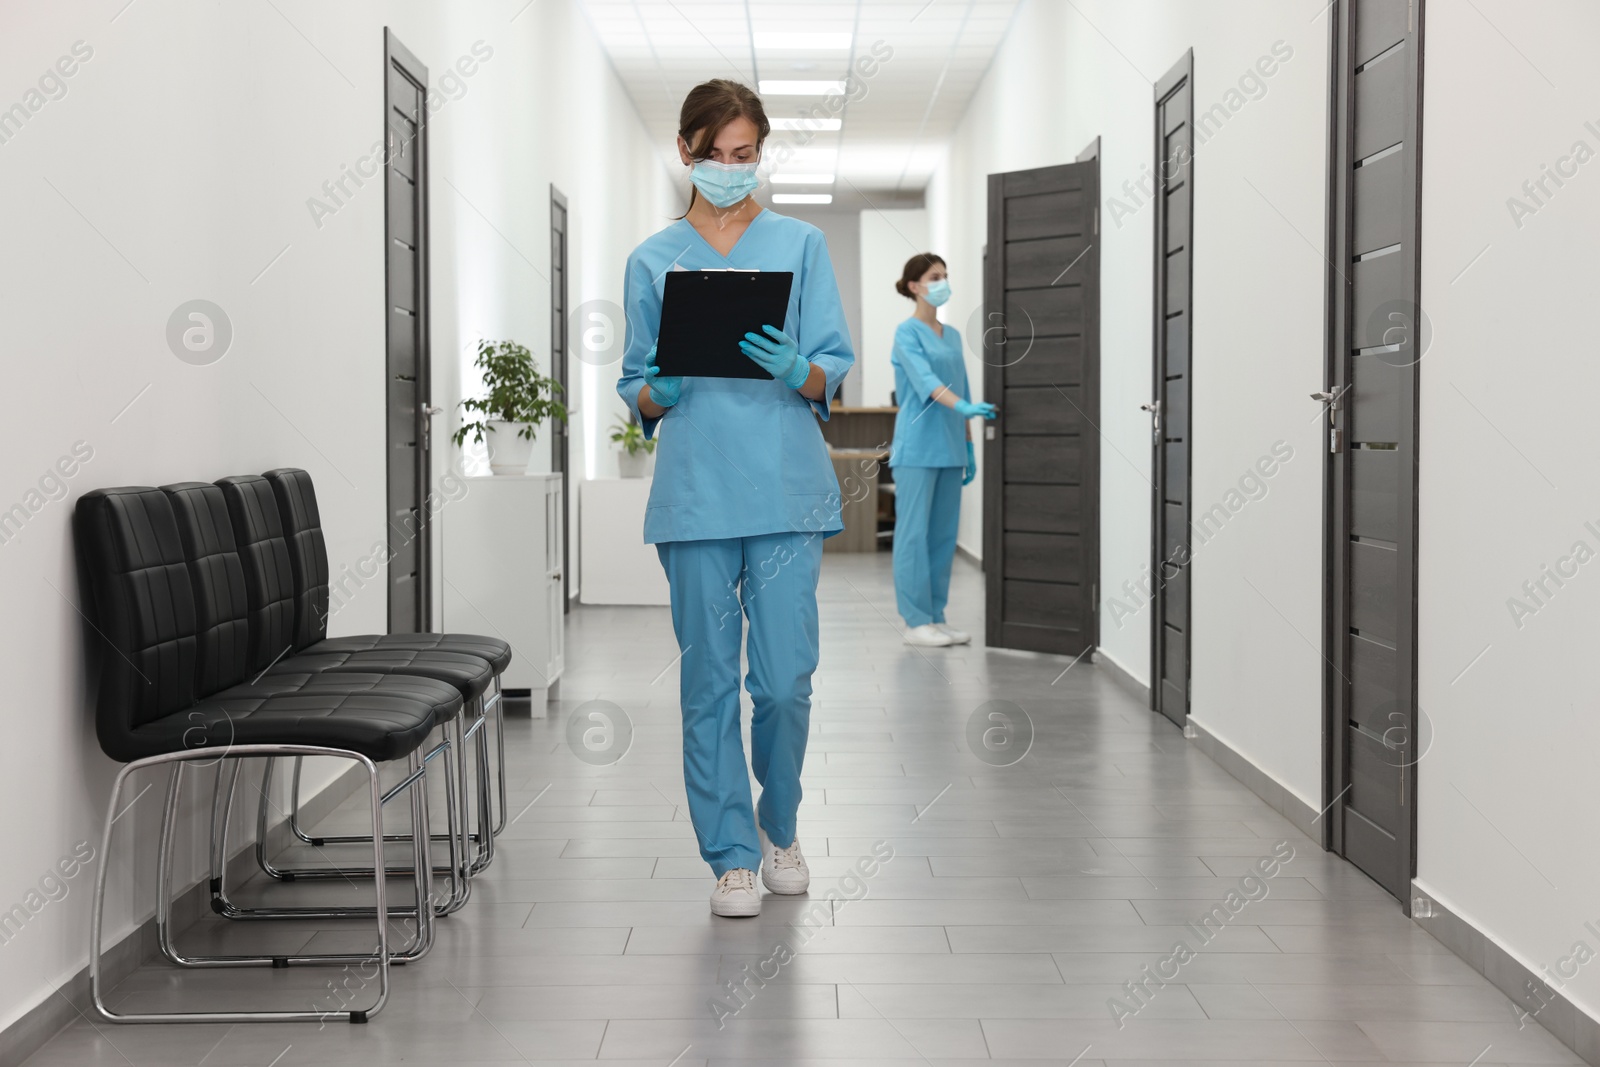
[725, 184]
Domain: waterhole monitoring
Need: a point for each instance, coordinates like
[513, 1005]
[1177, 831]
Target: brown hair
[915, 268]
[709, 107]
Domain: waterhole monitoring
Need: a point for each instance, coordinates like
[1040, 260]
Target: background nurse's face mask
[938, 292]
[724, 184]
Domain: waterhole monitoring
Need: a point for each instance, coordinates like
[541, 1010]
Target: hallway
[1018, 902]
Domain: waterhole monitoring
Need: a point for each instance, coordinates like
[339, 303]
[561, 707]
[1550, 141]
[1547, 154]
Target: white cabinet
[617, 566]
[502, 573]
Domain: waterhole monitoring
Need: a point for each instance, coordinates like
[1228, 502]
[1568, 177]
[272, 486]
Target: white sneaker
[783, 870]
[928, 635]
[736, 893]
[957, 637]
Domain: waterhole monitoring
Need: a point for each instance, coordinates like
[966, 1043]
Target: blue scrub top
[926, 433]
[739, 457]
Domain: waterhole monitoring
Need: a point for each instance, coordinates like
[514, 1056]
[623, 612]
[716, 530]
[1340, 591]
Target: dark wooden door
[1040, 344]
[560, 447]
[1170, 408]
[1376, 335]
[407, 378]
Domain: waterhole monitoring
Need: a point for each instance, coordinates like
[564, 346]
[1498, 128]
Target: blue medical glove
[972, 466]
[968, 410]
[663, 390]
[779, 354]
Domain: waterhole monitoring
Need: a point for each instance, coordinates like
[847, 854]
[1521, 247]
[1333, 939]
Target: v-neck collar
[747, 227]
[938, 336]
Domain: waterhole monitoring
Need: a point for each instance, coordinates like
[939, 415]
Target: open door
[1040, 343]
[1376, 335]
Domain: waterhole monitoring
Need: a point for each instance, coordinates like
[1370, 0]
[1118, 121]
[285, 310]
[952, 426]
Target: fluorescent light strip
[816, 125]
[802, 179]
[769, 87]
[836, 42]
[818, 158]
[802, 198]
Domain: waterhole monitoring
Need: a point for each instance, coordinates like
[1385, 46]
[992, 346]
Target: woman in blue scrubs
[743, 496]
[932, 455]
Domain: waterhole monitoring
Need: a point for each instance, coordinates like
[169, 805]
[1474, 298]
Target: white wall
[1508, 483]
[888, 239]
[842, 229]
[1507, 809]
[1258, 273]
[178, 165]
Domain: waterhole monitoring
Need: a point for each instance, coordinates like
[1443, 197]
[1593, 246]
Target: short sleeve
[642, 309]
[911, 357]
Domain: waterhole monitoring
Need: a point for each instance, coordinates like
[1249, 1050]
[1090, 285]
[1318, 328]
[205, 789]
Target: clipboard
[706, 313]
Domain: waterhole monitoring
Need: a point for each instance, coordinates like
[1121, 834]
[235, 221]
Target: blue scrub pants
[927, 512]
[772, 580]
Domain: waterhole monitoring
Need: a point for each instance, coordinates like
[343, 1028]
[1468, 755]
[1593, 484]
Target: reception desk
[858, 442]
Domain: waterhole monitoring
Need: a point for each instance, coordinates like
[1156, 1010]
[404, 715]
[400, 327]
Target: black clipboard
[706, 313]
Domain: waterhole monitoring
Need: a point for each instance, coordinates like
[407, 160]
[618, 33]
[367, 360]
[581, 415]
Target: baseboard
[1256, 780]
[970, 556]
[1569, 1024]
[1121, 675]
[73, 1001]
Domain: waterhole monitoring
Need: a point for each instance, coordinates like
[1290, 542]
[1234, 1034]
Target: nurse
[931, 455]
[743, 496]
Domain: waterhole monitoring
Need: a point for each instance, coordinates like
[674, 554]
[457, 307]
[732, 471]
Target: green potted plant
[634, 462]
[520, 398]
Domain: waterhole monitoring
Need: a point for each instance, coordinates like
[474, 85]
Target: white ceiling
[891, 136]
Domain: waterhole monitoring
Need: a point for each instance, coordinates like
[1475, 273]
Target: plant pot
[509, 452]
[634, 465]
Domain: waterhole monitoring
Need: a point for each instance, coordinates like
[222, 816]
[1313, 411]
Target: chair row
[214, 600]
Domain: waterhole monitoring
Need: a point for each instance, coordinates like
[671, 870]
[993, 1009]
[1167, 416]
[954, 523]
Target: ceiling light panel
[926, 61]
[790, 41]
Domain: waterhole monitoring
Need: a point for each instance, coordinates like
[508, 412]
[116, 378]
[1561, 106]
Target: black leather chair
[302, 528]
[256, 585]
[293, 624]
[172, 692]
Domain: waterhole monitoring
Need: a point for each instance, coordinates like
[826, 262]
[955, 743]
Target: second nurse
[931, 455]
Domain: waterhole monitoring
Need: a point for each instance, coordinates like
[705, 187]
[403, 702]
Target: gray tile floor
[1019, 900]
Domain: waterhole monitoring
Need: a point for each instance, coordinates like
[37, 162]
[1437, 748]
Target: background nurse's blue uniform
[743, 496]
[928, 456]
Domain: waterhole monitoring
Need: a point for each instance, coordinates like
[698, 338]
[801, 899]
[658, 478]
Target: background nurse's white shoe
[957, 637]
[928, 634]
[736, 894]
[783, 870]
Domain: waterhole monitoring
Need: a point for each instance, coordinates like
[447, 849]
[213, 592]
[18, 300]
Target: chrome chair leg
[382, 957]
[291, 874]
[485, 836]
[221, 904]
[225, 906]
[498, 704]
[318, 841]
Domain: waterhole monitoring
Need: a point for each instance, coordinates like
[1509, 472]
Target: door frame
[1180, 75]
[560, 340]
[1337, 518]
[1091, 394]
[397, 57]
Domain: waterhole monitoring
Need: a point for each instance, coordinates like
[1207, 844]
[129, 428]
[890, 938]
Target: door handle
[1331, 397]
[429, 411]
[1154, 408]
